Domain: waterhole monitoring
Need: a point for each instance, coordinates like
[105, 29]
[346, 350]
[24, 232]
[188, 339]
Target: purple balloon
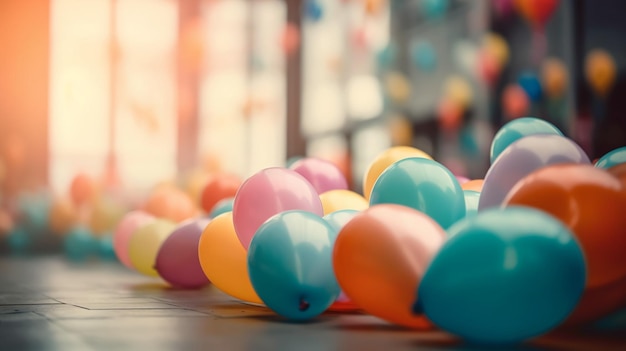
[177, 261]
[523, 157]
[323, 175]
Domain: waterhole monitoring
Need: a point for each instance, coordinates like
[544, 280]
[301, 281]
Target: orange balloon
[554, 77]
[450, 114]
[600, 70]
[381, 255]
[62, 216]
[290, 40]
[473, 185]
[591, 203]
[83, 189]
[219, 187]
[170, 203]
[599, 302]
[515, 102]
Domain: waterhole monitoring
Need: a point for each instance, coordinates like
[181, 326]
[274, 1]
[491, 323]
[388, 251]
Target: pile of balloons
[535, 245]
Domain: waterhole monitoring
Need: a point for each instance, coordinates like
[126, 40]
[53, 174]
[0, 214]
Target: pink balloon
[269, 192]
[127, 226]
[177, 261]
[323, 175]
[462, 180]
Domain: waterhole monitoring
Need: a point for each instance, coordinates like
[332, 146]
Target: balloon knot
[304, 305]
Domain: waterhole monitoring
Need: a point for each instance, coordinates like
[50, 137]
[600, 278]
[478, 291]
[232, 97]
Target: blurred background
[135, 94]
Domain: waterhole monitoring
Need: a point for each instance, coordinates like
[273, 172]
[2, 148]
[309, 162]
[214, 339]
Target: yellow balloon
[224, 260]
[386, 159]
[144, 245]
[340, 199]
[459, 90]
[497, 46]
[600, 70]
[554, 77]
[398, 87]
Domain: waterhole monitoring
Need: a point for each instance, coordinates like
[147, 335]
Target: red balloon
[515, 102]
[537, 12]
[219, 187]
[82, 189]
[488, 67]
[450, 114]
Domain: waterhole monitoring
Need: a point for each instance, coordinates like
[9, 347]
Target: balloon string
[540, 45]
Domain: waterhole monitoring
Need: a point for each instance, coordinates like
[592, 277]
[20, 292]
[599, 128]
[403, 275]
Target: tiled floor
[50, 304]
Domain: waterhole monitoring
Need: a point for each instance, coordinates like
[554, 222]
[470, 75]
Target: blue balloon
[223, 206]
[339, 219]
[424, 185]
[79, 244]
[503, 276]
[612, 159]
[517, 129]
[424, 56]
[471, 202]
[531, 85]
[105, 248]
[313, 10]
[290, 264]
[19, 240]
[434, 9]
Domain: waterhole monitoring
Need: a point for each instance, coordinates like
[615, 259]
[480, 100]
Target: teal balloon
[613, 158]
[223, 206]
[105, 248]
[434, 9]
[424, 56]
[290, 264]
[471, 202]
[19, 240]
[424, 185]
[517, 129]
[387, 56]
[79, 244]
[504, 276]
[339, 219]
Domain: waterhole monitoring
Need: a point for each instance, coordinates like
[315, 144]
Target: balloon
[400, 130]
[268, 192]
[19, 240]
[177, 260]
[290, 264]
[79, 244]
[600, 71]
[537, 12]
[313, 10]
[171, 204]
[125, 228]
[517, 129]
[290, 40]
[515, 101]
[503, 276]
[336, 200]
[424, 185]
[105, 215]
[612, 159]
[471, 202]
[62, 216]
[398, 87]
[144, 245]
[223, 206]
[473, 185]
[450, 114]
[591, 203]
[497, 47]
[105, 248]
[489, 67]
[220, 187]
[424, 56]
[434, 9]
[384, 160]
[554, 77]
[34, 210]
[523, 157]
[323, 175]
[529, 81]
[380, 257]
[224, 260]
[459, 91]
[83, 189]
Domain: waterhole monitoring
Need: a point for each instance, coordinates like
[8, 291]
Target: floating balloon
[225, 205]
[224, 260]
[290, 264]
[459, 91]
[434, 9]
[488, 67]
[171, 204]
[497, 47]
[600, 70]
[450, 114]
[219, 187]
[536, 12]
[523, 157]
[83, 189]
[424, 56]
[398, 87]
[323, 175]
[380, 257]
[424, 185]
[340, 199]
[471, 202]
[290, 40]
[125, 228]
[386, 159]
[529, 81]
[554, 78]
[612, 159]
[515, 102]
[313, 10]
[473, 185]
[62, 217]
[591, 203]
[79, 244]
[503, 276]
[517, 129]
[177, 260]
[268, 192]
[144, 245]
